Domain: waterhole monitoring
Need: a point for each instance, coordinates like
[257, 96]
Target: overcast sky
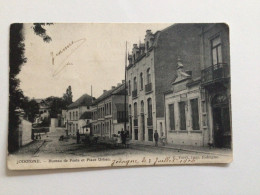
[95, 56]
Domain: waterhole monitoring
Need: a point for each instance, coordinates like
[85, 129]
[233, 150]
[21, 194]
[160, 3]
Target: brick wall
[181, 40]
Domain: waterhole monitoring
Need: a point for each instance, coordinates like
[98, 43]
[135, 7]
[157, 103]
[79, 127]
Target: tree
[56, 105]
[68, 96]
[31, 109]
[16, 60]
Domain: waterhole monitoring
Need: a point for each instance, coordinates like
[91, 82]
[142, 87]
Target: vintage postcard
[118, 94]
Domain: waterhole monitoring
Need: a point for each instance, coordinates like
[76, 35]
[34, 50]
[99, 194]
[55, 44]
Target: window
[216, 50]
[135, 110]
[70, 115]
[195, 114]
[171, 117]
[141, 81]
[182, 116]
[76, 115]
[149, 106]
[129, 87]
[73, 116]
[148, 76]
[142, 107]
[135, 84]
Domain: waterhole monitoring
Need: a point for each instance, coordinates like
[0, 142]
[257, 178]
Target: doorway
[221, 122]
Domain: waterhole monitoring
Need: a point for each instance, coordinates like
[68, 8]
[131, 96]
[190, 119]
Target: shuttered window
[195, 114]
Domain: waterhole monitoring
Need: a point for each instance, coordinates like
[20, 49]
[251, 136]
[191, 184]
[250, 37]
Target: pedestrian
[123, 137]
[78, 137]
[156, 137]
[119, 140]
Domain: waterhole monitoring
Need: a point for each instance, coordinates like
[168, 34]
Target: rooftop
[84, 100]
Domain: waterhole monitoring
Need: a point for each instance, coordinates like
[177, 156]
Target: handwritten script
[64, 55]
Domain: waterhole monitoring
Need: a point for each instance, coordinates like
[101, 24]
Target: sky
[79, 55]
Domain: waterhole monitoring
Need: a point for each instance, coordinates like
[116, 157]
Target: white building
[185, 117]
[75, 111]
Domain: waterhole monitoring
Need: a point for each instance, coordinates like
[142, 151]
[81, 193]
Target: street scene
[120, 91]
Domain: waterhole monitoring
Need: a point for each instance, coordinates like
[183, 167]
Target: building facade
[109, 111]
[152, 67]
[184, 115]
[215, 81]
[75, 111]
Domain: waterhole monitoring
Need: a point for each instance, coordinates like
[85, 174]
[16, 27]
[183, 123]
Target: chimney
[123, 81]
[148, 31]
[104, 91]
[118, 84]
[135, 45]
[113, 87]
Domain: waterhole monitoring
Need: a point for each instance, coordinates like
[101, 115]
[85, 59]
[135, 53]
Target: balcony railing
[214, 73]
[149, 121]
[134, 93]
[148, 88]
[135, 122]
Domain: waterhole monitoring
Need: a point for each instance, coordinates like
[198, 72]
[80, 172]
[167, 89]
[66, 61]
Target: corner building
[150, 72]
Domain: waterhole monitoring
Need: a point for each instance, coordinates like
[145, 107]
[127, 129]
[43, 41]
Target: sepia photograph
[119, 95]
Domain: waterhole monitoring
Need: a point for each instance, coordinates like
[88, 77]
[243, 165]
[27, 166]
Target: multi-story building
[75, 111]
[198, 109]
[151, 70]
[215, 81]
[109, 111]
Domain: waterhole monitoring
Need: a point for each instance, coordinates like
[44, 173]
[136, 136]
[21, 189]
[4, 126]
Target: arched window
[135, 110]
[141, 81]
[142, 107]
[129, 87]
[130, 111]
[135, 84]
[148, 76]
[149, 108]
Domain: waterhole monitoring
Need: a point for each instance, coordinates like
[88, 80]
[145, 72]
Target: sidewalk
[195, 149]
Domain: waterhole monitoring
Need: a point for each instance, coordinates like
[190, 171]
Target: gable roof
[84, 100]
[119, 90]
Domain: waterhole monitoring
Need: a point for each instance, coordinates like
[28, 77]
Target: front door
[221, 122]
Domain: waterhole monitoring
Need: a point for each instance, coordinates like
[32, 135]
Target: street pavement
[50, 146]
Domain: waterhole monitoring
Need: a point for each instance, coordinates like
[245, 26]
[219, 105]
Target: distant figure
[78, 137]
[123, 137]
[119, 140]
[156, 137]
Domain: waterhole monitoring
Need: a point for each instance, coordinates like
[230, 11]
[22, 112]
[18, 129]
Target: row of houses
[177, 82]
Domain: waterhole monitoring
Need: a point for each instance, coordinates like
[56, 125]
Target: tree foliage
[16, 61]
[68, 96]
[31, 109]
[57, 104]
